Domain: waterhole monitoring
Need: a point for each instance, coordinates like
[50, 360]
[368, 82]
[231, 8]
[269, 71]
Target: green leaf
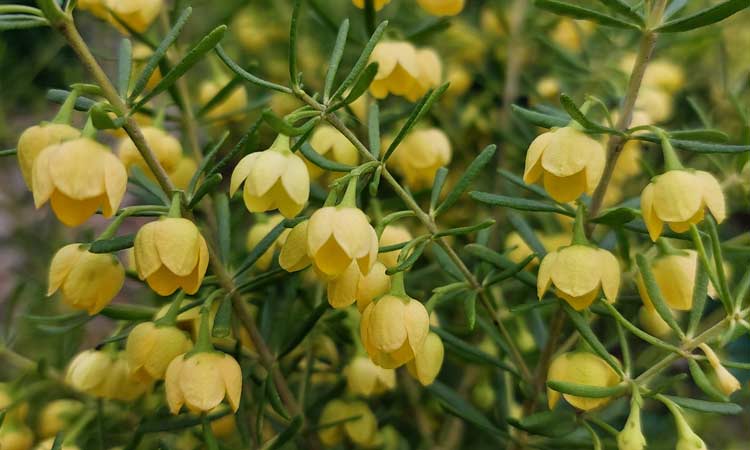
[202, 168]
[206, 187]
[273, 397]
[460, 231]
[469, 352]
[654, 294]
[128, 312]
[701, 134]
[533, 188]
[139, 178]
[580, 323]
[700, 292]
[521, 204]
[621, 7]
[303, 329]
[158, 55]
[288, 434]
[244, 145]
[704, 17]
[124, 65]
[463, 409]
[407, 263]
[112, 245]
[470, 310]
[363, 82]
[60, 95]
[223, 319]
[617, 217]
[437, 187]
[335, 60]
[321, 161]
[577, 115]
[180, 422]
[501, 262]
[705, 406]
[582, 390]
[552, 424]
[261, 248]
[527, 234]
[10, 22]
[281, 126]
[511, 272]
[696, 146]
[540, 119]
[8, 152]
[195, 54]
[373, 129]
[702, 381]
[247, 76]
[224, 222]
[359, 66]
[468, 177]
[428, 28]
[579, 12]
[293, 29]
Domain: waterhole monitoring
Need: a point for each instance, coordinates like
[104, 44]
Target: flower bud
[230, 108]
[379, 4]
[580, 368]
[35, 139]
[183, 172]
[202, 380]
[428, 360]
[726, 382]
[675, 277]
[293, 256]
[365, 378]
[136, 14]
[87, 281]
[338, 236]
[664, 75]
[568, 161]
[548, 88]
[578, 273]
[680, 198]
[404, 71]
[570, 34]
[256, 234]
[392, 235]
[362, 431]
[78, 177]
[14, 435]
[104, 375]
[652, 322]
[419, 156]
[442, 7]
[331, 144]
[274, 179]
[631, 437]
[171, 253]
[57, 416]
[393, 330]
[166, 148]
[686, 437]
[151, 347]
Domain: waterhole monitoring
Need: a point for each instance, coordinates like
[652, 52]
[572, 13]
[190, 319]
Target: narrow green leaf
[501, 262]
[303, 329]
[470, 310]
[463, 409]
[293, 29]
[364, 57]
[533, 188]
[195, 54]
[704, 17]
[437, 187]
[223, 319]
[579, 12]
[511, 272]
[58, 442]
[521, 204]
[273, 397]
[705, 406]
[540, 119]
[124, 65]
[8, 152]
[621, 7]
[288, 434]
[112, 245]
[220, 96]
[244, 145]
[283, 127]
[469, 352]
[207, 159]
[158, 55]
[261, 248]
[335, 60]
[582, 390]
[321, 161]
[701, 134]
[589, 336]
[702, 381]
[408, 262]
[206, 187]
[247, 75]
[224, 222]
[180, 422]
[527, 234]
[373, 129]
[468, 177]
[696, 146]
[700, 293]
[60, 95]
[655, 294]
[554, 424]
[460, 231]
[576, 114]
[363, 82]
[429, 28]
[128, 312]
[617, 217]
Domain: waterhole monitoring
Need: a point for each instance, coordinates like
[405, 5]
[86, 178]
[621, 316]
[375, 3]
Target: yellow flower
[365, 378]
[362, 431]
[352, 285]
[652, 322]
[569, 162]
[256, 234]
[727, 382]
[95, 7]
[379, 4]
[330, 143]
[372, 285]
[88, 281]
[136, 14]
[151, 347]
[338, 236]
[293, 256]
[171, 253]
[679, 198]
[15, 435]
[548, 88]
[657, 102]
[57, 416]
[419, 156]
[35, 139]
[460, 81]
[404, 71]
[580, 368]
[78, 177]
[183, 172]
[166, 148]
[426, 364]
[224, 426]
[665, 75]
[103, 375]
[255, 28]
[631, 437]
[442, 7]
[48, 444]
[392, 235]
[578, 272]
[517, 249]
[675, 277]
[202, 380]
[274, 179]
[231, 108]
[570, 34]
[393, 330]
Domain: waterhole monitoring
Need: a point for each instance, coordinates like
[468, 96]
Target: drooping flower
[202, 380]
[35, 139]
[15, 435]
[57, 416]
[428, 360]
[631, 437]
[136, 14]
[293, 256]
[363, 377]
[372, 285]
[151, 347]
[442, 7]
[183, 172]
[231, 108]
[393, 330]
[581, 368]
[256, 234]
[675, 277]
[362, 431]
[103, 374]
[338, 236]
[404, 71]
[727, 382]
[419, 156]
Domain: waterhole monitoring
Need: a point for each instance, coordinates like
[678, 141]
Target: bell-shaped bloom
[392, 235]
[136, 14]
[78, 177]
[105, 375]
[580, 368]
[426, 364]
[256, 234]
[166, 148]
[230, 108]
[35, 139]
[726, 382]
[362, 431]
[680, 198]
[365, 378]
[419, 156]
[442, 7]
[393, 330]
[578, 273]
[568, 161]
[379, 4]
[87, 281]
[183, 172]
[274, 179]
[373, 285]
[293, 256]
[171, 253]
[331, 144]
[151, 347]
[352, 285]
[658, 103]
[57, 416]
[404, 71]
[202, 380]
[675, 277]
[338, 236]
[665, 75]
[15, 435]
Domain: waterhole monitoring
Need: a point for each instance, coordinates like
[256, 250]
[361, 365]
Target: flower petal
[677, 196]
[241, 171]
[533, 169]
[177, 242]
[610, 275]
[146, 256]
[61, 265]
[577, 270]
[713, 196]
[654, 225]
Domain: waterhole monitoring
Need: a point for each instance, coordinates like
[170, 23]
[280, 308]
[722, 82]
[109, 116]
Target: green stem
[89, 130]
[671, 160]
[112, 228]
[170, 318]
[175, 209]
[350, 196]
[203, 343]
[397, 285]
[703, 256]
[281, 144]
[78, 426]
[718, 256]
[66, 110]
[579, 230]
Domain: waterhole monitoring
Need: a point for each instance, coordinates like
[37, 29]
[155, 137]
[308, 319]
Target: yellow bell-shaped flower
[372, 285]
[57, 416]
[274, 179]
[202, 380]
[665, 75]
[426, 364]
[404, 71]
[255, 28]
[230, 108]
[136, 14]
[330, 143]
[293, 256]
[727, 383]
[567, 160]
[393, 330]
[171, 253]
[256, 234]
[15, 435]
[580, 368]
[365, 378]
[351, 285]
[103, 374]
[419, 156]
[578, 273]
[183, 172]
[657, 102]
[392, 235]
[675, 277]
[166, 148]
[87, 281]
[35, 139]
[78, 177]
[631, 437]
[570, 34]
[151, 347]
[338, 236]
[442, 7]
[362, 431]
[679, 198]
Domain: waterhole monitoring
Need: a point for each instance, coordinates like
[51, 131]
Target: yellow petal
[175, 398]
[231, 373]
[94, 281]
[544, 278]
[372, 285]
[654, 225]
[177, 241]
[417, 322]
[361, 431]
[567, 152]
[77, 168]
[35, 139]
[61, 265]
[42, 185]
[320, 228]
[342, 289]
[172, 342]
[296, 179]
[386, 59]
[352, 232]
[610, 275]
[241, 171]
[115, 183]
[141, 342]
[287, 206]
[713, 196]
[265, 172]
[163, 281]
[428, 360]
[387, 329]
[293, 256]
[580, 302]
[576, 270]
[73, 212]
[146, 256]
[677, 196]
[201, 382]
[366, 262]
[675, 276]
[533, 168]
[565, 189]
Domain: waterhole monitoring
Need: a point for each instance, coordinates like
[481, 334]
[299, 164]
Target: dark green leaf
[128, 312]
[363, 82]
[437, 187]
[579, 12]
[702, 381]
[273, 397]
[112, 245]
[617, 217]
[261, 248]
[321, 161]
[21, 22]
[223, 320]
[463, 409]
[247, 75]
[408, 262]
[206, 187]
[698, 147]
[521, 204]
[465, 230]
[335, 60]
[702, 134]
[281, 126]
[621, 7]
[540, 119]
[705, 406]
[293, 29]
[582, 390]
[304, 328]
[359, 66]
[207, 159]
[700, 293]
[468, 177]
[470, 310]
[553, 424]
[589, 336]
[224, 222]
[577, 115]
[373, 129]
[288, 434]
[704, 17]
[124, 65]
[501, 262]
[60, 95]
